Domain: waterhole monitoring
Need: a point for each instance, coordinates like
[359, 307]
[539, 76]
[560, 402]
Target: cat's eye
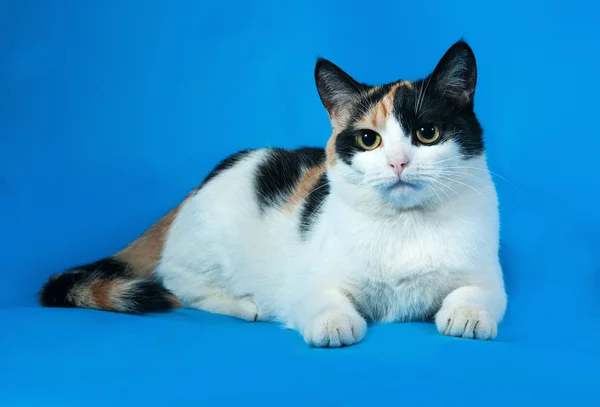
[368, 139]
[428, 134]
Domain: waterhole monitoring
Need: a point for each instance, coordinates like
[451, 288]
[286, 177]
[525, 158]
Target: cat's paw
[333, 329]
[466, 322]
[247, 310]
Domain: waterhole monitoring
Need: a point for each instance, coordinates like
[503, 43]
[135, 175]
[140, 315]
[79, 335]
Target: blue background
[110, 112]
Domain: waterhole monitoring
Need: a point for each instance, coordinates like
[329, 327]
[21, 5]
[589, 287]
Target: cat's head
[407, 141]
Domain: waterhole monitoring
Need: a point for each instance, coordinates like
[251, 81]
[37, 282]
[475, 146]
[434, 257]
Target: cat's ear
[336, 88]
[456, 73]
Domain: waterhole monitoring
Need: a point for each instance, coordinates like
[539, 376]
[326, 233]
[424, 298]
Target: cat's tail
[124, 282]
[110, 285]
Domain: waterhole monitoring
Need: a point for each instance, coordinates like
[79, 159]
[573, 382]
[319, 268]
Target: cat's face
[406, 141]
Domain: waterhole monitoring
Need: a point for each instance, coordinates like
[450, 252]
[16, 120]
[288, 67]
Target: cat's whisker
[453, 175]
[445, 193]
[423, 97]
[485, 170]
[419, 96]
[460, 174]
[443, 161]
[460, 156]
[415, 104]
[418, 99]
[430, 187]
[438, 182]
[466, 185]
[470, 168]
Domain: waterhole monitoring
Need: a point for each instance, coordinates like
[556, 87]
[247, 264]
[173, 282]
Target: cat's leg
[327, 318]
[204, 292]
[218, 301]
[322, 310]
[473, 311]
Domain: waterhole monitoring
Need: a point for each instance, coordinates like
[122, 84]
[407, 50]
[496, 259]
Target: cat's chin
[403, 194]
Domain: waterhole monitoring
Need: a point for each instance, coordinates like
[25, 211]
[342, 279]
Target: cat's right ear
[336, 88]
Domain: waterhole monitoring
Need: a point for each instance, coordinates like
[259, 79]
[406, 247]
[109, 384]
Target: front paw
[333, 329]
[466, 322]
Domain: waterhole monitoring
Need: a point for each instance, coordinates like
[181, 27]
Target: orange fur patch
[305, 184]
[100, 292]
[408, 84]
[330, 152]
[387, 102]
[377, 116]
[144, 253]
[175, 301]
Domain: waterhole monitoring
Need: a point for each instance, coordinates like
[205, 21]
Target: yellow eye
[368, 139]
[428, 134]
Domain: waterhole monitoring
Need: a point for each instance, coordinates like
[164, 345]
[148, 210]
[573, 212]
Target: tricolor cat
[395, 220]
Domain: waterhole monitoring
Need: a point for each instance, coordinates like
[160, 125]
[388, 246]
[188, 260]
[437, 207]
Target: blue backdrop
[110, 112]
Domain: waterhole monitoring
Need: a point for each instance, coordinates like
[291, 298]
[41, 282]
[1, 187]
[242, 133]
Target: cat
[395, 220]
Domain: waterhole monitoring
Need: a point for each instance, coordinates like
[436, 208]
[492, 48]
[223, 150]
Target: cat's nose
[398, 165]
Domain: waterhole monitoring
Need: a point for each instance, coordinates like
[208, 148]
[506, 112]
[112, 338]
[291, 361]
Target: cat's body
[402, 229]
[397, 267]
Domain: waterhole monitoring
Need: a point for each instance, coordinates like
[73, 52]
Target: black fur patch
[312, 205]
[346, 146]
[278, 174]
[144, 296]
[225, 164]
[55, 293]
[149, 296]
[107, 267]
[456, 122]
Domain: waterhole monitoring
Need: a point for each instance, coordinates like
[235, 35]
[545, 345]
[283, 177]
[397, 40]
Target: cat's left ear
[456, 73]
[337, 89]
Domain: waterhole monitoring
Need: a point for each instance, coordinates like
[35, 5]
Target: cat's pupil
[427, 132]
[369, 139]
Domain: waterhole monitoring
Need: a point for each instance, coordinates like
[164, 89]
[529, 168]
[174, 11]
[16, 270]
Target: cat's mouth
[403, 185]
[399, 186]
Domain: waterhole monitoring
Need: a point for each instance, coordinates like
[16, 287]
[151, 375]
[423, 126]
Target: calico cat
[395, 220]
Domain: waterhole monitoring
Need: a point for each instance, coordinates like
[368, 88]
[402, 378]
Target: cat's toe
[466, 322]
[334, 329]
[248, 310]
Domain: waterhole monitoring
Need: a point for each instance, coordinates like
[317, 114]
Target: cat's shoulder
[225, 164]
[274, 165]
[281, 171]
[279, 177]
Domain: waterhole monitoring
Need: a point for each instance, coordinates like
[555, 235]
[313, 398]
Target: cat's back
[242, 228]
[250, 198]
[265, 179]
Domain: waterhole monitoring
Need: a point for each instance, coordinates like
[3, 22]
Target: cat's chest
[410, 248]
[395, 298]
[404, 274]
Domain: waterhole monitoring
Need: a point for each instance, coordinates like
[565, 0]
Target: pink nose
[398, 165]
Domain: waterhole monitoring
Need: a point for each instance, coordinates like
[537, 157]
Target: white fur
[402, 253]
